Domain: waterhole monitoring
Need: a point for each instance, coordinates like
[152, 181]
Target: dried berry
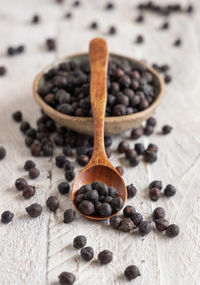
[34, 173]
[145, 228]
[131, 191]
[178, 42]
[112, 192]
[2, 152]
[6, 217]
[20, 184]
[128, 211]
[158, 213]
[167, 78]
[76, 3]
[165, 26]
[69, 216]
[117, 204]
[166, 129]
[17, 116]
[50, 44]
[86, 207]
[161, 224]
[156, 184]
[150, 156]
[3, 70]
[172, 230]
[139, 148]
[120, 170]
[152, 148]
[52, 203]
[136, 218]
[66, 278]
[69, 175]
[148, 130]
[105, 210]
[60, 161]
[136, 133]
[85, 188]
[123, 146]
[93, 25]
[154, 194]
[115, 222]
[101, 187]
[92, 196]
[130, 153]
[64, 188]
[139, 39]
[112, 30]
[134, 161]
[151, 122]
[79, 198]
[82, 160]
[131, 272]
[79, 241]
[28, 191]
[34, 210]
[105, 256]
[126, 225]
[109, 6]
[87, 253]
[24, 127]
[29, 164]
[36, 149]
[169, 190]
[139, 19]
[68, 15]
[35, 19]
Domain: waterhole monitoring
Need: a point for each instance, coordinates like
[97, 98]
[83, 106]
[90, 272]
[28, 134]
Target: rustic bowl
[113, 125]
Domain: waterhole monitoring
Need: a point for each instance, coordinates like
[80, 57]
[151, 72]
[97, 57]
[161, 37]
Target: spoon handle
[98, 94]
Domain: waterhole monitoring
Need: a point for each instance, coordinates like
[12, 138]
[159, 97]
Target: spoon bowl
[102, 173]
[113, 125]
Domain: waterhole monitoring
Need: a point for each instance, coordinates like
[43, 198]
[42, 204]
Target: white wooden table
[36, 251]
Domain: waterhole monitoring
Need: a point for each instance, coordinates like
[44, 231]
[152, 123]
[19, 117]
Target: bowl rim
[138, 115]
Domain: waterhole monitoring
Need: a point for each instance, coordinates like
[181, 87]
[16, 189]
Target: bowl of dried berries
[63, 91]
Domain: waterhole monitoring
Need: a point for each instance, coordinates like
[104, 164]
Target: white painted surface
[36, 251]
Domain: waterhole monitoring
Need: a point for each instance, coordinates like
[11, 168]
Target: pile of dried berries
[155, 188]
[11, 51]
[130, 88]
[163, 225]
[98, 199]
[164, 10]
[130, 221]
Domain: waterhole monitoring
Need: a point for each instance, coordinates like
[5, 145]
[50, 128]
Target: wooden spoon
[99, 168]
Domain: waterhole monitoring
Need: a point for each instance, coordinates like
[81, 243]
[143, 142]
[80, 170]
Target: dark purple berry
[105, 256]
[34, 210]
[6, 217]
[64, 188]
[87, 253]
[69, 216]
[79, 241]
[52, 203]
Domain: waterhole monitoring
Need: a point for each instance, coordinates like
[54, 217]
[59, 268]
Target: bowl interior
[114, 124]
[135, 64]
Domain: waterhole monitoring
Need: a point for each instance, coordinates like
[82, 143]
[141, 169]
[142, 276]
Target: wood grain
[36, 252]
